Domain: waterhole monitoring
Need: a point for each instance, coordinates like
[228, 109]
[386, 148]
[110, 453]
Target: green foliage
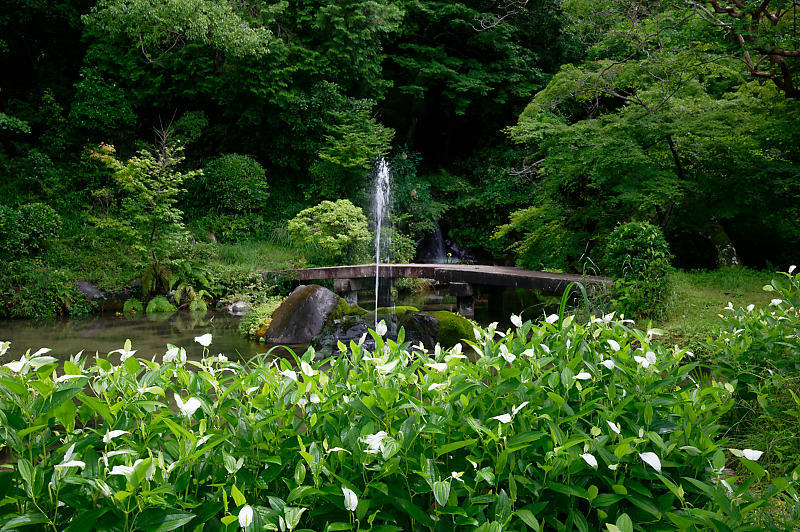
[159, 304]
[100, 107]
[31, 289]
[637, 256]
[156, 279]
[158, 26]
[756, 349]
[338, 230]
[152, 184]
[256, 322]
[415, 211]
[601, 429]
[132, 306]
[235, 184]
[28, 230]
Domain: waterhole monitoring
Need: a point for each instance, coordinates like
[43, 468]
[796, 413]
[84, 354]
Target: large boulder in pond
[302, 315]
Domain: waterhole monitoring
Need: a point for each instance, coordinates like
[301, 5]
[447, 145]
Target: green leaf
[450, 447]
[414, 511]
[132, 365]
[624, 523]
[238, 497]
[292, 516]
[528, 518]
[441, 492]
[162, 519]
[85, 521]
[25, 520]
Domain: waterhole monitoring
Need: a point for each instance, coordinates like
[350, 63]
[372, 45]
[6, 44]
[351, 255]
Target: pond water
[151, 334]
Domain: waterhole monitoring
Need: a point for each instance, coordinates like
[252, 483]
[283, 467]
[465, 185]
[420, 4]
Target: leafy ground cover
[698, 297]
[556, 424]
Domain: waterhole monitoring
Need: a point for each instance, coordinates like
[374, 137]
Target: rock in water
[302, 315]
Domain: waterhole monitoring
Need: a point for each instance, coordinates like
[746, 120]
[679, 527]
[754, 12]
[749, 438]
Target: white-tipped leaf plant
[470, 438]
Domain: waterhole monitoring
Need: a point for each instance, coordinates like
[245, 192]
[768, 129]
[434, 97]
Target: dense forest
[133, 132]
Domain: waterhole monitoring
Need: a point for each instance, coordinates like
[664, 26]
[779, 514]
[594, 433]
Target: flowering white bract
[792, 268]
[516, 409]
[613, 426]
[175, 354]
[776, 302]
[552, 318]
[506, 354]
[373, 441]
[583, 376]
[307, 370]
[204, 340]
[503, 418]
[189, 407]
[126, 352]
[545, 348]
[614, 344]
[350, 499]
[516, 320]
[652, 460]
[289, 373]
[609, 364]
[646, 361]
[590, 459]
[437, 366]
[381, 328]
[752, 454]
[246, 516]
[113, 434]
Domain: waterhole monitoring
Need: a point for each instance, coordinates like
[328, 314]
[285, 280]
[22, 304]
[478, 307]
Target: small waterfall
[382, 206]
[432, 250]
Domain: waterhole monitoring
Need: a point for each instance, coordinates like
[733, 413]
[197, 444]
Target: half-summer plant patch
[555, 425]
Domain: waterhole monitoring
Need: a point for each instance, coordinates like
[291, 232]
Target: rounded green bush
[28, 230]
[336, 231]
[635, 249]
[638, 257]
[238, 183]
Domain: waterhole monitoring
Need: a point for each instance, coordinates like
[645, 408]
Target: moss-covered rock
[399, 311]
[452, 327]
[343, 308]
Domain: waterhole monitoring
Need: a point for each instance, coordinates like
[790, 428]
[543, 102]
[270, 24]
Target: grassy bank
[698, 298]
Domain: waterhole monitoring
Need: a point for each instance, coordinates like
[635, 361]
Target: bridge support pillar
[347, 289]
[384, 295]
[465, 300]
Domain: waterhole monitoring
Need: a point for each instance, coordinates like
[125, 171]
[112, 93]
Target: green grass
[698, 298]
[259, 256]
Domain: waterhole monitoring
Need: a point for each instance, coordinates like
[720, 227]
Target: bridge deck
[449, 273]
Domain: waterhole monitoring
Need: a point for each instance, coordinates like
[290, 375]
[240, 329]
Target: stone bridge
[348, 280]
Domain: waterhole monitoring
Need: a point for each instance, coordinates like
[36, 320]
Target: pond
[150, 334]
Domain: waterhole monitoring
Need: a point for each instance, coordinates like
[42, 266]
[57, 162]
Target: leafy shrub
[758, 351]
[234, 228]
[132, 306]
[256, 322]
[27, 230]
[555, 425]
[337, 232]
[31, 289]
[159, 304]
[637, 256]
[237, 184]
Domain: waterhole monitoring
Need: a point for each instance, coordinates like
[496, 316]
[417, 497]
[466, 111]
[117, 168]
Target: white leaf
[752, 454]
[503, 418]
[609, 364]
[614, 344]
[204, 340]
[545, 348]
[518, 408]
[591, 460]
[792, 268]
[289, 373]
[652, 460]
[71, 463]
[350, 499]
[552, 318]
[189, 407]
[381, 328]
[438, 366]
[246, 516]
[506, 354]
[113, 434]
[306, 368]
[516, 320]
[614, 426]
[583, 376]
[374, 441]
